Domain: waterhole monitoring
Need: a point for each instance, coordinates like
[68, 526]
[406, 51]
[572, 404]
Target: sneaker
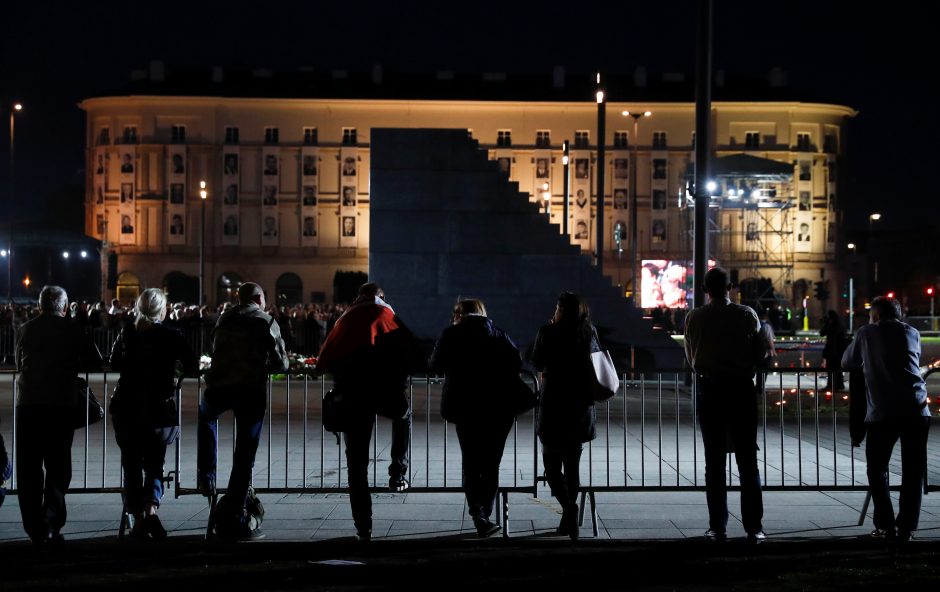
[154, 527]
[364, 536]
[485, 527]
[206, 485]
[756, 538]
[715, 536]
[398, 484]
[882, 533]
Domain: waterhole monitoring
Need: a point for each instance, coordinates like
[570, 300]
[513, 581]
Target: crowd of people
[370, 353]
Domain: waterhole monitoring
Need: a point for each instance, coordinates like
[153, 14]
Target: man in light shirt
[888, 353]
[723, 343]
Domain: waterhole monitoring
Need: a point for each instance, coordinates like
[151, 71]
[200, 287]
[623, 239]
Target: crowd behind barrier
[647, 440]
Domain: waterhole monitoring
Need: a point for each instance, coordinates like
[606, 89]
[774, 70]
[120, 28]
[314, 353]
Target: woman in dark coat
[566, 410]
[834, 333]
[144, 408]
[480, 364]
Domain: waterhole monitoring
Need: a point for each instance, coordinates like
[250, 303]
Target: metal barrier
[647, 440]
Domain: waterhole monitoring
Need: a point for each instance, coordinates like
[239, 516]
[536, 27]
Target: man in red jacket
[370, 354]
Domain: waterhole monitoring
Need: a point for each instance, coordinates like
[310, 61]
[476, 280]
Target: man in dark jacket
[887, 352]
[370, 353]
[723, 343]
[50, 351]
[247, 346]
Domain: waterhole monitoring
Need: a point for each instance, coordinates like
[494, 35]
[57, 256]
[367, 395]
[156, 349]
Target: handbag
[334, 412]
[86, 400]
[521, 397]
[604, 380]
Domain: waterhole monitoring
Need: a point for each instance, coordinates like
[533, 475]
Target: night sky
[56, 53]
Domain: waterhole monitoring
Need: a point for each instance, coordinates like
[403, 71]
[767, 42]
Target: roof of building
[493, 86]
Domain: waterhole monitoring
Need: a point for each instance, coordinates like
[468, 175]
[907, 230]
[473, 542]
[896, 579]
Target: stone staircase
[446, 223]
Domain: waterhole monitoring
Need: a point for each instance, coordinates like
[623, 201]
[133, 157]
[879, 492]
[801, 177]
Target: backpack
[233, 521]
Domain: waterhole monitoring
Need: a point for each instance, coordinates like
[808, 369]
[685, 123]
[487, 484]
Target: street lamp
[17, 107]
[872, 218]
[203, 194]
[601, 160]
[636, 115]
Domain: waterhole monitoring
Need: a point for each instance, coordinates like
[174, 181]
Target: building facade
[287, 186]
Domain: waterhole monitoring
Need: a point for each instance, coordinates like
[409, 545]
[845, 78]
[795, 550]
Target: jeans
[248, 405]
[562, 470]
[882, 435]
[727, 413]
[44, 437]
[357, 437]
[481, 450]
[143, 454]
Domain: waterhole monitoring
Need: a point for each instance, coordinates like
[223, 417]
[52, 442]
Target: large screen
[665, 283]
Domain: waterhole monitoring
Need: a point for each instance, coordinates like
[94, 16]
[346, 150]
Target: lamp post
[852, 247]
[634, 243]
[872, 218]
[203, 194]
[601, 157]
[17, 107]
[564, 211]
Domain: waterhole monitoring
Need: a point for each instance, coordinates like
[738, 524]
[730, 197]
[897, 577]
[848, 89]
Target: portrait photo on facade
[621, 168]
[270, 164]
[349, 226]
[127, 192]
[310, 195]
[230, 164]
[581, 230]
[176, 225]
[581, 168]
[310, 165]
[176, 193]
[127, 227]
[230, 228]
[230, 197]
[270, 226]
[349, 196]
[178, 166]
[127, 163]
[349, 166]
[541, 168]
[310, 226]
[270, 195]
[620, 199]
[659, 168]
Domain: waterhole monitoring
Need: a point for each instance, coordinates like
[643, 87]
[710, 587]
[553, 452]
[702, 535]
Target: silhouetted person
[566, 409]
[247, 346]
[888, 353]
[50, 351]
[480, 364]
[144, 407]
[723, 343]
[834, 333]
[370, 353]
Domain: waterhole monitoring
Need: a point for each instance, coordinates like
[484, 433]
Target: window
[310, 136]
[231, 135]
[349, 136]
[621, 139]
[804, 142]
[543, 139]
[104, 136]
[504, 137]
[130, 134]
[830, 143]
[271, 135]
[659, 140]
[178, 134]
[752, 140]
[582, 138]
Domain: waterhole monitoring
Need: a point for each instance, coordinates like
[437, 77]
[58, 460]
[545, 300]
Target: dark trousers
[882, 435]
[727, 413]
[143, 454]
[44, 438]
[834, 377]
[357, 437]
[248, 405]
[481, 450]
[562, 470]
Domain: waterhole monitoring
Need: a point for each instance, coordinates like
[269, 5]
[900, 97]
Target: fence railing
[647, 439]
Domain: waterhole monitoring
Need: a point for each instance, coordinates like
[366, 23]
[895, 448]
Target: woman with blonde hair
[480, 364]
[143, 406]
